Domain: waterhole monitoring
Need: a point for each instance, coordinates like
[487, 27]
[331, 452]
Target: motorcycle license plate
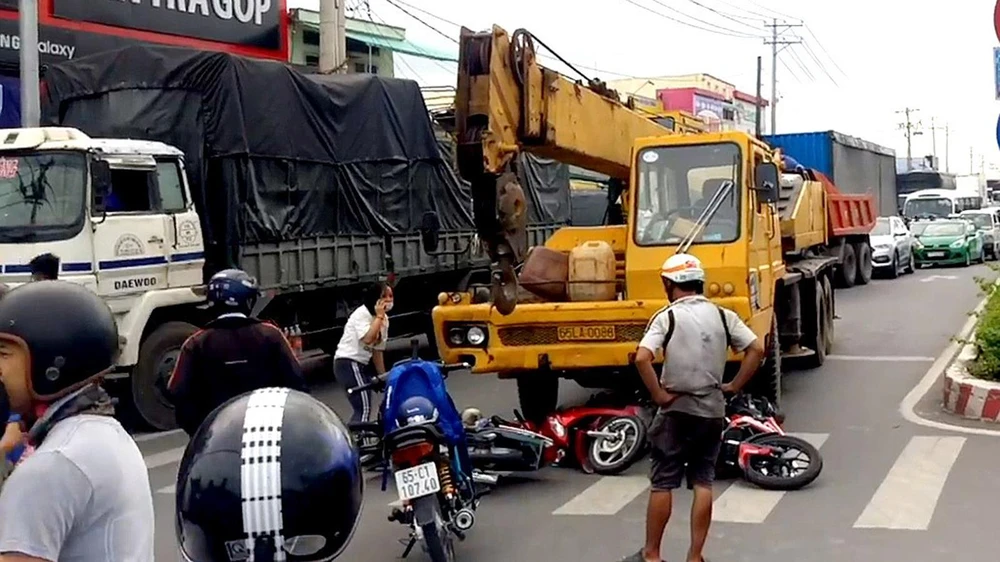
[417, 481]
[935, 254]
[585, 333]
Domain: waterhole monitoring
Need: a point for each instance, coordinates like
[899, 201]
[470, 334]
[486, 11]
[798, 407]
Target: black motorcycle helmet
[270, 469]
[68, 332]
[233, 290]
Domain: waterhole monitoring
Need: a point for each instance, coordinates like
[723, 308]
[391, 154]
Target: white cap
[681, 268]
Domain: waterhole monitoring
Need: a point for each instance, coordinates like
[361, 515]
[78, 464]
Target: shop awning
[401, 46]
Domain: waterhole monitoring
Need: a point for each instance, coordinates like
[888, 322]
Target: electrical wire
[819, 63]
[713, 29]
[798, 62]
[724, 15]
[426, 54]
[742, 9]
[822, 48]
[790, 71]
[427, 25]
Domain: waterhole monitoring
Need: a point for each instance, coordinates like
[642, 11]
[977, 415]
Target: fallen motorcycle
[602, 438]
[755, 445]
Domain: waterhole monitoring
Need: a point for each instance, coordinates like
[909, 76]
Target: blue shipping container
[856, 166]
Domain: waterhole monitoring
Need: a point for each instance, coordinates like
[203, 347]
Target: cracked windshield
[624, 281]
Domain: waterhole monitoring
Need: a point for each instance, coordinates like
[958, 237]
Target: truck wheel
[157, 357]
[863, 252]
[830, 313]
[767, 381]
[816, 332]
[847, 272]
[538, 395]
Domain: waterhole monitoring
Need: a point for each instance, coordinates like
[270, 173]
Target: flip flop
[637, 557]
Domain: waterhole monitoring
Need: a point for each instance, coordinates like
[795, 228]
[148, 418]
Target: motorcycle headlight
[476, 336]
[958, 243]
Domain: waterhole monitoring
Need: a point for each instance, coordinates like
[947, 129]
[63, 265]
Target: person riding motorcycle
[271, 473]
[84, 493]
[232, 355]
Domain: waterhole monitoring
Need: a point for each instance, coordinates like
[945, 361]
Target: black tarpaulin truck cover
[272, 154]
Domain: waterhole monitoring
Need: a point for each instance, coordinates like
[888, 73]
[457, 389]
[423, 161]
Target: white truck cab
[119, 215]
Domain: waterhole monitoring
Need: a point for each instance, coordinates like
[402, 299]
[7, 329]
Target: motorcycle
[755, 445]
[429, 450]
[600, 436]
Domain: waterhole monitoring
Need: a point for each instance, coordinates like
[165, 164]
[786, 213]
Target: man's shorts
[683, 444]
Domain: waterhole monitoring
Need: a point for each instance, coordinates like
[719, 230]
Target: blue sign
[996, 70]
[998, 131]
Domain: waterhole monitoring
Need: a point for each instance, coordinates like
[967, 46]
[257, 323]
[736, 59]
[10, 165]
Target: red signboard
[254, 28]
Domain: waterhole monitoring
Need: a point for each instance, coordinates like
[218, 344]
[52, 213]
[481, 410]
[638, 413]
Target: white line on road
[884, 358]
[607, 496]
[745, 503]
[907, 497]
[143, 437]
[164, 458]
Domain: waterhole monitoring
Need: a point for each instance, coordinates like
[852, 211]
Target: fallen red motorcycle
[755, 445]
[606, 439]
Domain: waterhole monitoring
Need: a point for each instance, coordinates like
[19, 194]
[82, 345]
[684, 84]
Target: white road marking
[907, 497]
[164, 458]
[907, 408]
[931, 278]
[882, 358]
[743, 502]
[143, 437]
[607, 496]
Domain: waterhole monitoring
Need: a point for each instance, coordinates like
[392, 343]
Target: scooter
[602, 436]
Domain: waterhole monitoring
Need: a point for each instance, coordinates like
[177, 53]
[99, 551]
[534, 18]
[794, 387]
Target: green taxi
[947, 242]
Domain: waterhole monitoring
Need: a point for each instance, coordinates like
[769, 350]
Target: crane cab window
[676, 185]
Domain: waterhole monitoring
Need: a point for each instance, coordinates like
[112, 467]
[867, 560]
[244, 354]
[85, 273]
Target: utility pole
[972, 161]
[332, 36]
[947, 134]
[31, 105]
[947, 150]
[759, 109]
[911, 128]
[933, 142]
[777, 44]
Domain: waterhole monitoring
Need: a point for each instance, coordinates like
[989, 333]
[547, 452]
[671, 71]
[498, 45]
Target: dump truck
[768, 238]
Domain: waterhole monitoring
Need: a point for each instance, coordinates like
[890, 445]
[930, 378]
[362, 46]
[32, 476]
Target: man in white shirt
[363, 342]
[694, 334]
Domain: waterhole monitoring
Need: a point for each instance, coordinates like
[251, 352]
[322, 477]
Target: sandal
[637, 557]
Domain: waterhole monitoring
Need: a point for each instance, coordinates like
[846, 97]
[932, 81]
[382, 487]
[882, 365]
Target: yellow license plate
[586, 333]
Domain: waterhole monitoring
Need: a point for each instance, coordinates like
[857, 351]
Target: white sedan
[892, 247]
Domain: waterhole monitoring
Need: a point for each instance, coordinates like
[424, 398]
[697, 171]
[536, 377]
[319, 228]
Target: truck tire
[537, 395]
[816, 331]
[157, 357]
[767, 381]
[831, 312]
[863, 252]
[847, 272]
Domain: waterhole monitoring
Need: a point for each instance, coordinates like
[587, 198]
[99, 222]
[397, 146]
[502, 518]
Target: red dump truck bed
[847, 214]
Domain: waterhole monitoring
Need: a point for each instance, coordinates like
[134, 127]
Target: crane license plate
[417, 481]
[586, 333]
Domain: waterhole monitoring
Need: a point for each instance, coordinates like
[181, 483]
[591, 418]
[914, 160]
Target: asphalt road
[889, 489]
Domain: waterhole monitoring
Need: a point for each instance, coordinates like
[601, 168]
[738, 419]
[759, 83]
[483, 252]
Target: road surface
[889, 489]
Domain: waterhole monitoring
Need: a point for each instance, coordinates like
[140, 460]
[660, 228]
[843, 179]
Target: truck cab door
[129, 236]
[185, 246]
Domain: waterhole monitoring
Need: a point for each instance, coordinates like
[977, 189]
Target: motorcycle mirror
[414, 348]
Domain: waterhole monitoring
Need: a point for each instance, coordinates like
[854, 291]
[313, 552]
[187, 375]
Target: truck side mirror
[766, 180]
[100, 184]
[430, 231]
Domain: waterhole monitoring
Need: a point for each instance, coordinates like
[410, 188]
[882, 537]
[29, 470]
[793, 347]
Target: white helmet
[682, 268]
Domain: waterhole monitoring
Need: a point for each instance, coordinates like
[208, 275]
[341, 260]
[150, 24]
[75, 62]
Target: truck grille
[546, 335]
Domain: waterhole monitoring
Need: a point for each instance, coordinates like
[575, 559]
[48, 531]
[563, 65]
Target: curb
[967, 396]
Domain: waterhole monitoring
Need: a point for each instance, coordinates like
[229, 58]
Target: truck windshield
[42, 196]
[676, 184]
[931, 206]
[981, 220]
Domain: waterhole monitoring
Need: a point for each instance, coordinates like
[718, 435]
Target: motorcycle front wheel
[795, 463]
[437, 540]
[613, 455]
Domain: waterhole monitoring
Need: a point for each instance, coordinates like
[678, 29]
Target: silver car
[892, 247]
[987, 222]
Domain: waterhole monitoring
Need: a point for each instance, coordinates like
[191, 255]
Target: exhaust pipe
[483, 478]
[465, 519]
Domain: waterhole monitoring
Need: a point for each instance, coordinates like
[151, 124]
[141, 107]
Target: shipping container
[856, 166]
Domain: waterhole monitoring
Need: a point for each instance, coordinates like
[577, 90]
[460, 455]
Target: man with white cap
[694, 334]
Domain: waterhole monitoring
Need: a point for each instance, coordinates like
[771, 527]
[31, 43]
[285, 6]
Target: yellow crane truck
[769, 246]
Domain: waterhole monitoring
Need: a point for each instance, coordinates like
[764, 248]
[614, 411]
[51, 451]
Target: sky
[859, 65]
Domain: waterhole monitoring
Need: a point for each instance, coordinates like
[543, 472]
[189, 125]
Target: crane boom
[507, 103]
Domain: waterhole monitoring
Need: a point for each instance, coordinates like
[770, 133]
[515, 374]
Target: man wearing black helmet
[232, 355]
[273, 474]
[84, 493]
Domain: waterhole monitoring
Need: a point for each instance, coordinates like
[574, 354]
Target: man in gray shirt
[83, 495]
[695, 335]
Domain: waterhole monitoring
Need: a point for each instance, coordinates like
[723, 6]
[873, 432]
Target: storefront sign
[708, 107]
[251, 23]
[56, 45]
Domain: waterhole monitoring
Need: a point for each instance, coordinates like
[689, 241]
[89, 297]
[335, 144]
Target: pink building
[720, 113]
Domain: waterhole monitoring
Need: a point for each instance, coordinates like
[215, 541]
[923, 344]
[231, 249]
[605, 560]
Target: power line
[778, 44]
[436, 30]
[724, 15]
[822, 67]
[742, 9]
[717, 30]
[802, 66]
[822, 48]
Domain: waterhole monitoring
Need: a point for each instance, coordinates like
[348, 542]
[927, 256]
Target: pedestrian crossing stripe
[906, 499]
